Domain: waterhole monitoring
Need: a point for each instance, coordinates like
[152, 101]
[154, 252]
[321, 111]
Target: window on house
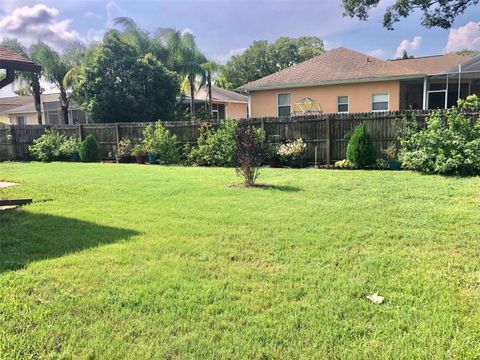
[283, 105]
[342, 104]
[53, 118]
[380, 102]
[218, 111]
[21, 120]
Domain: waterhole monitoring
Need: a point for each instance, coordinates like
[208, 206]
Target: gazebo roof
[14, 61]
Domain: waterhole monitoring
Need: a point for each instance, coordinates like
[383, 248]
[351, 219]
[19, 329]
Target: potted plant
[69, 149]
[150, 143]
[139, 152]
[123, 150]
[391, 155]
[291, 153]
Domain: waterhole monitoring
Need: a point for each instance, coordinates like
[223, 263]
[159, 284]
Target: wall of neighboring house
[264, 103]
[23, 119]
[4, 119]
[236, 110]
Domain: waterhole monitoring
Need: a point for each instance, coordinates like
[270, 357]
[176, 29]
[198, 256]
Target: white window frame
[347, 103]
[388, 102]
[290, 105]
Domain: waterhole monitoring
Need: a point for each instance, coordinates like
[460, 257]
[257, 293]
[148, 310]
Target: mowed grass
[149, 262]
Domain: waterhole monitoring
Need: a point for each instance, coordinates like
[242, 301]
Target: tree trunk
[191, 80]
[36, 91]
[64, 102]
[209, 82]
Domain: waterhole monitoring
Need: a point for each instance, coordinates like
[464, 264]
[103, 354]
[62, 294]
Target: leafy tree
[56, 66]
[251, 151]
[435, 13]
[468, 52]
[29, 81]
[262, 59]
[117, 84]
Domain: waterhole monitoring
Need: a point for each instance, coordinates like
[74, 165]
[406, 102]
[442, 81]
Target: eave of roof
[336, 82]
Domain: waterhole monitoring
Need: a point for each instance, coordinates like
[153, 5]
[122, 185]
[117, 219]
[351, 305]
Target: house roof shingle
[436, 64]
[333, 66]
[26, 104]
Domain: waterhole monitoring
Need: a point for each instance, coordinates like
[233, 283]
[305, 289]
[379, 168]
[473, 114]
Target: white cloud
[38, 23]
[464, 37]
[377, 53]
[222, 59]
[408, 46]
[187, 31]
[91, 14]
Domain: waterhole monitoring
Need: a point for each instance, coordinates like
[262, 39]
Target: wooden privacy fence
[326, 135]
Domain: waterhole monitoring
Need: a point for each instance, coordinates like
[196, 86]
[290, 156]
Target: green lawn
[143, 262]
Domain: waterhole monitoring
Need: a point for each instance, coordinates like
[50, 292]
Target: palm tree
[30, 79]
[184, 58]
[209, 68]
[56, 66]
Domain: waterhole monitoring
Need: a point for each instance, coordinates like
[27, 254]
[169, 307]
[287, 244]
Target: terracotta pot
[140, 159]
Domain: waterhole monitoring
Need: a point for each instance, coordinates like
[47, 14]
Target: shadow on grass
[286, 188]
[27, 237]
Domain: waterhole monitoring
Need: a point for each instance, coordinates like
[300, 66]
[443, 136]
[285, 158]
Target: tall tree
[262, 59]
[184, 58]
[435, 13]
[56, 66]
[209, 68]
[30, 79]
[116, 83]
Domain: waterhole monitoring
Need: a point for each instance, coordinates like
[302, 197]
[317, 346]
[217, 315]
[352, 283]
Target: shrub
[251, 151]
[69, 147]
[216, 147]
[48, 146]
[343, 164]
[157, 140]
[360, 150]
[450, 147]
[89, 149]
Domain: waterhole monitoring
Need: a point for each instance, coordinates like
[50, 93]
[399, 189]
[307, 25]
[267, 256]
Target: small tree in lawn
[360, 150]
[251, 152]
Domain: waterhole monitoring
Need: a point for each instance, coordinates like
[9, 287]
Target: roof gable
[336, 65]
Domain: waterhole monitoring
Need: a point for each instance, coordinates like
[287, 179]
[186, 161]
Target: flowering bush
[124, 148]
[291, 149]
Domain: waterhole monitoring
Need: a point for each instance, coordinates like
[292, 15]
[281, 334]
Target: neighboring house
[343, 81]
[20, 110]
[225, 104]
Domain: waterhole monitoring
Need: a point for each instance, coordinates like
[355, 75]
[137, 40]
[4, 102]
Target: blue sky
[226, 27]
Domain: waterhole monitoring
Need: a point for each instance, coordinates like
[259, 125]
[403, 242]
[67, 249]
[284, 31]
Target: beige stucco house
[346, 81]
[226, 104]
[20, 110]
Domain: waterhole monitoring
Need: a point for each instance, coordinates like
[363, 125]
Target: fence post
[12, 148]
[262, 124]
[329, 147]
[117, 133]
[80, 136]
